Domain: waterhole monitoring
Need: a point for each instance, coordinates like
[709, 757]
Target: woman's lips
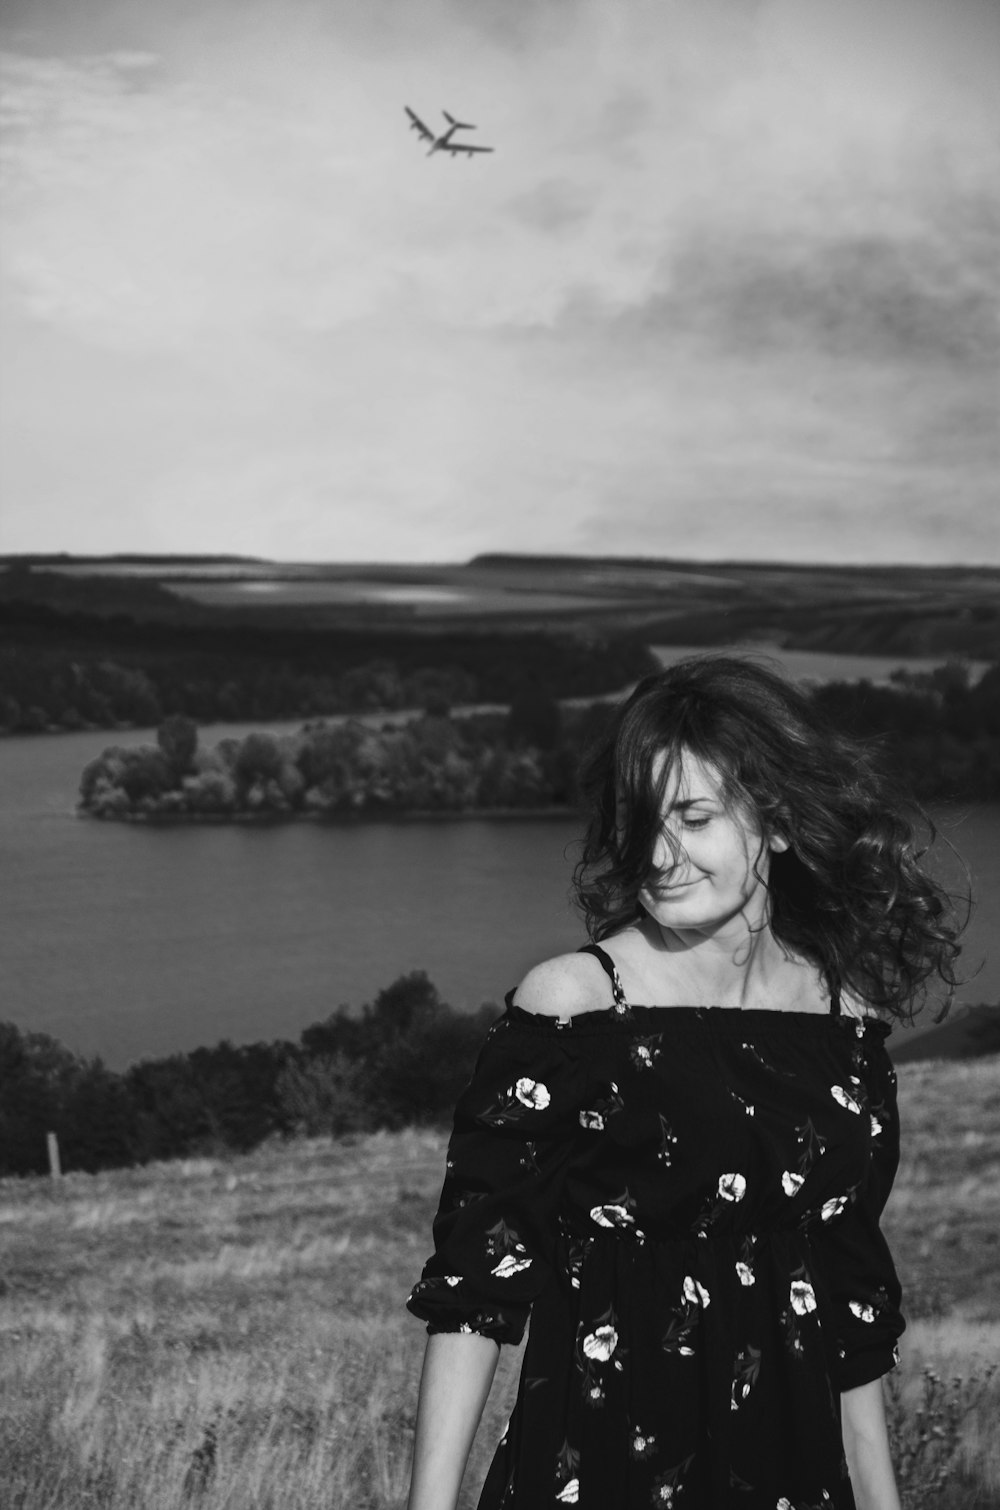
[668, 891]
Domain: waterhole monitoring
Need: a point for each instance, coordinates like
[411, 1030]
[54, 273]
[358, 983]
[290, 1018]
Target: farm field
[900, 612]
[231, 1333]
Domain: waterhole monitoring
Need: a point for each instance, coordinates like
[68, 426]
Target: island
[520, 759]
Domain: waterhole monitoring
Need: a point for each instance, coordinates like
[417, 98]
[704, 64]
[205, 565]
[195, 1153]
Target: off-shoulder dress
[687, 1201]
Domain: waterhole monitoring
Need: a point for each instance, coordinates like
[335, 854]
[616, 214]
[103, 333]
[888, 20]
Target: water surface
[127, 940]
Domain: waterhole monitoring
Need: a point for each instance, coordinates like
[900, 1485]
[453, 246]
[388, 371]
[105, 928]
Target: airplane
[444, 143]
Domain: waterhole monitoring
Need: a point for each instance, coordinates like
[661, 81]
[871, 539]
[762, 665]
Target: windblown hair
[851, 893]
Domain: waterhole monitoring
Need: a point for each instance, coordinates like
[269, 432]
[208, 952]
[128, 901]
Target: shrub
[926, 1436]
[327, 1095]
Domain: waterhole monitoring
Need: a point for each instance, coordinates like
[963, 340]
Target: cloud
[728, 256]
[262, 178]
[554, 207]
[867, 297]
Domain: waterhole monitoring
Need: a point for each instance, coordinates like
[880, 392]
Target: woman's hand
[866, 1444]
[454, 1387]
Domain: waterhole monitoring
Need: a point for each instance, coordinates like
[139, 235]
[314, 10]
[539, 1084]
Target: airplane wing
[456, 147]
[417, 125]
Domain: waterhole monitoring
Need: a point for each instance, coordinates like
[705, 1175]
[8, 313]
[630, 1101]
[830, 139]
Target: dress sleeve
[496, 1226]
[858, 1266]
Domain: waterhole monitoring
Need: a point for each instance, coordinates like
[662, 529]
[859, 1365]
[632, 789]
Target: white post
[55, 1168]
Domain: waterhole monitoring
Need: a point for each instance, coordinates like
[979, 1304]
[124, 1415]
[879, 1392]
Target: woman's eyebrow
[678, 807]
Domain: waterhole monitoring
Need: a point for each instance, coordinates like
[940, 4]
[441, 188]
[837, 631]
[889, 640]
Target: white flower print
[732, 1187]
[845, 1099]
[784, 1504]
[862, 1312]
[746, 1274]
[663, 1494]
[569, 1494]
[601, 1344]
[644, 1052]
[876, 1127]
[611, 1216]
[532, 1093]
[509, 1265]
[592, 1121]
[833, 1207]
[694, 1293]
[643, 1444]
[802, 1296]
[791, 1183]
[452, 1280]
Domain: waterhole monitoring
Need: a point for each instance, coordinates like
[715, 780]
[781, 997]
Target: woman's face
[711, 860]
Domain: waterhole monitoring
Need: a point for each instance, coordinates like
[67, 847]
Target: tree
[411, 1000]
[171, 1119]
[97, 1128]
[177, 737]
[45, 1088]
[147, 774]
[258, 759]
[534, 717]
[326, 1095]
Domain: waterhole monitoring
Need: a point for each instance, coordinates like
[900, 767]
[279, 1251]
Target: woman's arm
[866, 1444]
[454, 1387]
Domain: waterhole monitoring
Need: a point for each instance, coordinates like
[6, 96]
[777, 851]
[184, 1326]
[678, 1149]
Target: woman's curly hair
[851, 892]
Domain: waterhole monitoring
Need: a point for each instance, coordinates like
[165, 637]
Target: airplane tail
[457, 125]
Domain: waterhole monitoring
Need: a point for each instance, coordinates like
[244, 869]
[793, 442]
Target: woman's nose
[667, 854]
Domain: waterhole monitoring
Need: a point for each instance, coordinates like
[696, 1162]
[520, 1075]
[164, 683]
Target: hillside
[900, 610]
[232, 1330]
[966, 1033]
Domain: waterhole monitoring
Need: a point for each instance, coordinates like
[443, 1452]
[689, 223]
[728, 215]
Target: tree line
[44, 695]
[937, 733]
[76, 670]
[523, 758]
[401, 1060]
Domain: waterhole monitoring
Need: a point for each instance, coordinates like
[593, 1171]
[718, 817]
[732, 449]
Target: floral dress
[687, 1201]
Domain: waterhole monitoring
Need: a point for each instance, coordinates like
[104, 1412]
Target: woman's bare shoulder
[564, 986]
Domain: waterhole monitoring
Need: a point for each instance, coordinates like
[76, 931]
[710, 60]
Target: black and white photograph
[500, 752]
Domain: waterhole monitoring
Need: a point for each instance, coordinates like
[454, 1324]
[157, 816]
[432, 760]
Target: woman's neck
[732, 966]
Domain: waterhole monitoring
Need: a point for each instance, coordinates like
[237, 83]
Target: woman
[678, 1142]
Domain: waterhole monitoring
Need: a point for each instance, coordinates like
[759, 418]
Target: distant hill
[139, 597]
[968, 1033]
[64, 559]
[946, 612]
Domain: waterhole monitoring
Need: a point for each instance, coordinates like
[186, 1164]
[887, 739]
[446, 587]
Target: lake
[126, 940]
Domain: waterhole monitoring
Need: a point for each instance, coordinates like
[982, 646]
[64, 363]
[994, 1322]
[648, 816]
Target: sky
[728, 287]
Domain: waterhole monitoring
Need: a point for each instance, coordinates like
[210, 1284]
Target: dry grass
[229, 1333]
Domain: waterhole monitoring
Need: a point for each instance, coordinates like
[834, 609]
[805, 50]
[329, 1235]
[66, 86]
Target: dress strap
[607, 964]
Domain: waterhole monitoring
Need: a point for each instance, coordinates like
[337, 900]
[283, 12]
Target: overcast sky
[729, 285]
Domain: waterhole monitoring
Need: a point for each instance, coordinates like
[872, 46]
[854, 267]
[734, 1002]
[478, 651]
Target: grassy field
[230, 1333]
